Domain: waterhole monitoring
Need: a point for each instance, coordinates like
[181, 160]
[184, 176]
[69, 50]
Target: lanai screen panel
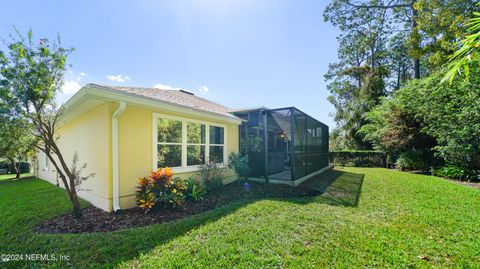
[283, 144]
[279, 122]
[311, 145]
[252, 142]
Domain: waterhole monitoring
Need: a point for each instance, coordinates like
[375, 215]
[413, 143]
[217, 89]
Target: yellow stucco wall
[136, 148]
[89, 135]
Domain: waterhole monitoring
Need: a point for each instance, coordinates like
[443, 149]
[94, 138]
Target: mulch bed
[96, 220]
[471, 184]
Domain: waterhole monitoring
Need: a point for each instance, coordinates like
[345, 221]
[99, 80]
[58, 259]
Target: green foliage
[413, 160]
[195, 190]
[239, 163]
[468, 53]
[378, 42]
[427, 114]
[24, 167]
[212, 175]
[359, 158]
[454, 172]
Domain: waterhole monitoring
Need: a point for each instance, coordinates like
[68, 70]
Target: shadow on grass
[338, 187]
[335, 187]
[110, 249]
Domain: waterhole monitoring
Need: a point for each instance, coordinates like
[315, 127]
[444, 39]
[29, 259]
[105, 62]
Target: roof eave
[112, 95]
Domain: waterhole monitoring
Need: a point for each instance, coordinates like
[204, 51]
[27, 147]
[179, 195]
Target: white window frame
[184, 167]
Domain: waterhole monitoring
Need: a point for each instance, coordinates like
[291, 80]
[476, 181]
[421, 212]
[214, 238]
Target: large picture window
[185, 144]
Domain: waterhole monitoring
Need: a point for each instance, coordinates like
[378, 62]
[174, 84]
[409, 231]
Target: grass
[367, 217]
[12, 176]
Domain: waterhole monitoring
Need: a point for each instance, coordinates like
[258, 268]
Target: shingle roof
[173, 96]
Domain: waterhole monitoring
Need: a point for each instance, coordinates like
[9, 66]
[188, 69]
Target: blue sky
[240, 53]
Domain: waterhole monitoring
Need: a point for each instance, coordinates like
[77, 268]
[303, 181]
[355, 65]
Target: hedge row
[24, 167]
[366, 158]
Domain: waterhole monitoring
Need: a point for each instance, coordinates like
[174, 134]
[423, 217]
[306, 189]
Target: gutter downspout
[116, 114]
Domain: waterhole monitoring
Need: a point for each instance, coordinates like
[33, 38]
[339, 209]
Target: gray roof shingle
[174, 96]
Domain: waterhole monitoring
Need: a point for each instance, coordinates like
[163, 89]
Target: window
[185, 144]
[216, 144]
[195, 143]
[169, 139]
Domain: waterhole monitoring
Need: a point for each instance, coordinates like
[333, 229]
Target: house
[122, 133]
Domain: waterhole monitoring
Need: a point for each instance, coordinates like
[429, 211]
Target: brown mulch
[96, 220]
[471, 184]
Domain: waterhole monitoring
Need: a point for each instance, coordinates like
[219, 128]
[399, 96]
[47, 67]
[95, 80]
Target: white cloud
[70, 86]
[163, 86]
[82, 74]
[204, 89]
[117, 78]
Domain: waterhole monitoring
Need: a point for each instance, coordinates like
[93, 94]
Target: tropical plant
[239, 164]
[468, 53]
[195, 190]
[160, 189]
[453, 171]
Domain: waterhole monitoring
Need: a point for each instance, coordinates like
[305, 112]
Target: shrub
[160, 189]
[239, 163]
[212, 176]
[360, 158]
[412, 160]
[454, 172]
[195, 190]
[23, 166]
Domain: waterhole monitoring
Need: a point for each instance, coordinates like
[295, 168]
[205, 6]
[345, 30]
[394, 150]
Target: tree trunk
[77, 210]
[70, 188]
[416, 62]
[15, 167]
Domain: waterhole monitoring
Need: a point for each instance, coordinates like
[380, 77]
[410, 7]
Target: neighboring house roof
[173, 96]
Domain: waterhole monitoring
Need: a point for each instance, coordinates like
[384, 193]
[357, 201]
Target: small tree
[239, 164]
[31, 75]
[15, 142]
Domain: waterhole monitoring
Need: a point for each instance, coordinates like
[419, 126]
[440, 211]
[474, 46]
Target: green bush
[361, 158]
[23, 166]
[454, 172]
[239, 163]
[195, 190]
[212, 175]
[412, 160]
[5, 165]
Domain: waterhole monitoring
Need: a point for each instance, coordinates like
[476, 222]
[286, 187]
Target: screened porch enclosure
[283, 144]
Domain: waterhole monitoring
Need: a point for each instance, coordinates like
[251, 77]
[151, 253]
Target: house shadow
[338, 188]
[334, 187]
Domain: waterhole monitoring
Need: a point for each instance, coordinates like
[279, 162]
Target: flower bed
[96, 220]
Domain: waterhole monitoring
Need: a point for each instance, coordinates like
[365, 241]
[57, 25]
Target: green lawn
[366, 218]
[12, 176]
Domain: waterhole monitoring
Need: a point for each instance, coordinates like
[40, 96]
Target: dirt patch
[96, 220]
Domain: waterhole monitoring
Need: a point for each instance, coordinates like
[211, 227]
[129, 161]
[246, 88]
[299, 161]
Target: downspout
[116, 114]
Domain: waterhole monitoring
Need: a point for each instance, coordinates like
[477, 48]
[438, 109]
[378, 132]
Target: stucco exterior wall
[136, 148]
[89, 135]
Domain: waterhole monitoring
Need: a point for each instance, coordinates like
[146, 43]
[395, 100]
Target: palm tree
[469, 52]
